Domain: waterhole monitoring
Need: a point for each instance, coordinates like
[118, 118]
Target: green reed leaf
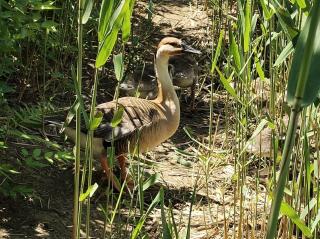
[87, 11]
[118, 66]
[303, 84]
[287, 210]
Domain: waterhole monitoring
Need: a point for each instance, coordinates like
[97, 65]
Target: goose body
[142, 120]
[145, 123]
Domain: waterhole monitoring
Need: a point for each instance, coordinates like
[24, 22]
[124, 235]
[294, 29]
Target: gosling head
[171, 46]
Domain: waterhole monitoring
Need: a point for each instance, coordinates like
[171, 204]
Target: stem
[76, 217]
[89, 151]
[279, 191]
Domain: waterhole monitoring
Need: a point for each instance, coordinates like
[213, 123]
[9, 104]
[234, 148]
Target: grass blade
[267, 14]
[97, 118]
[227, 85]
[105, 14]
[153, 204]
[166, 234]
[235, 52]
[87, 12]
[217, 54]
[110, 33]
[287, 210]
[247, 29]
[315, 222]
[284, 54]
[151, 181]
[126, 26]
[89, 192]
[118, 66]
[259, 68]
[303, 85]
[117, 117]
[285, 20]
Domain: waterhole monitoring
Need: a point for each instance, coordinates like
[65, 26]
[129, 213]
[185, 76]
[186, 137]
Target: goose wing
[138, 114]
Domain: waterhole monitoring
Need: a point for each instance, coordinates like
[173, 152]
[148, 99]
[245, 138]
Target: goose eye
[176, 45]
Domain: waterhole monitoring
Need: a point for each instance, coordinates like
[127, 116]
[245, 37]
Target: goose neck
[166, 89]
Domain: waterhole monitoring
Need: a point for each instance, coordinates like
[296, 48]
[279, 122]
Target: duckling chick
[184, 72]
[141, 83]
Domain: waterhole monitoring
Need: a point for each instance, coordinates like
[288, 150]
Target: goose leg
[108, 172]
[125, 177]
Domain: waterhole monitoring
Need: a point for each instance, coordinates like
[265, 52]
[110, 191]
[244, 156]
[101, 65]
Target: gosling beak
[124, 86]
[186, 48]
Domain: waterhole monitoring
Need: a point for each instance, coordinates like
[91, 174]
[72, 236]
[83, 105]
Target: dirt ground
[48, 214]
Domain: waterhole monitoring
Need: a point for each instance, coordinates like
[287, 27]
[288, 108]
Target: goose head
[171, 46]
[168, 48]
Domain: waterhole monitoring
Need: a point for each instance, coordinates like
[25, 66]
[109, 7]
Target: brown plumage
[141, 117]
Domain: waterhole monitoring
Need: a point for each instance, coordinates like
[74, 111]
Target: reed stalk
[76, 226]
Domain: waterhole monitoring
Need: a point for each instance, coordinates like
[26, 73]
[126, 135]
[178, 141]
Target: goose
[145, 123]
[182, 70]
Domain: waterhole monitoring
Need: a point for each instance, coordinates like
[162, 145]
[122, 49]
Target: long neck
[165, 86]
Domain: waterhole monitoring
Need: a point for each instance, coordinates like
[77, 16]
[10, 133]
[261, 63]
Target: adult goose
[145, 123]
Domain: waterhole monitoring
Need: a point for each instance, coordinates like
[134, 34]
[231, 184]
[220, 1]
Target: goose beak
[189, 49]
